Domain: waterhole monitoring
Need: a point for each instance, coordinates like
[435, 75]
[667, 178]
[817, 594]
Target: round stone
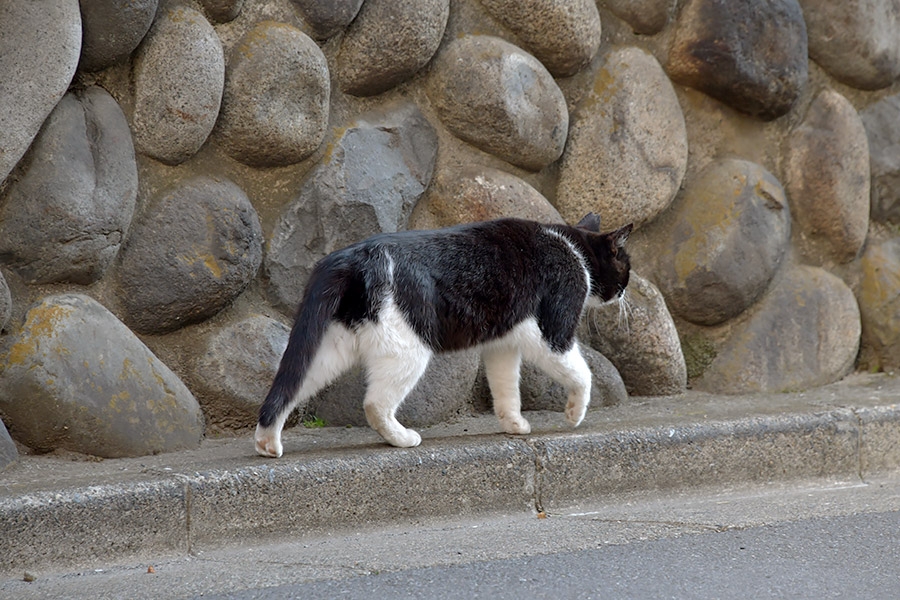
[880, 120]
[388, 42]
[751, 55]
[627, 150]
[647, 17]
[237, 367]
[639, 337]
[855, 42]
[563, 34]
[879, 303]
[113, 29]
[76, 378]
[277, 94]
[375, 173]
[500, 99]
[328, 17]
[724, 242]
[196, 249]
[65, 216]
[39, 48]
[179, 72]
[805, 333]
[475, 193]
[827, 179]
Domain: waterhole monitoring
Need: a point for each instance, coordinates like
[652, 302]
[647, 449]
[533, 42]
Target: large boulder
[375, 173]
[627, 149]
[476, 193]
[500, 99]
[179, 73]
[388, 42]
[855, 42]
[723, 243]
[196, 248]
[39, 47]
[277, 95]
[5, 303]
[76, 378]
[65, 215]
[804, 333]
[639, 337]
[827, 179]
[646, 17]
[751, 55]
[563, 34]
[8, 451]
[113, 29]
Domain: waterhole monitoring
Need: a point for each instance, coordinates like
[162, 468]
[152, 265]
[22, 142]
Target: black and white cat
[516, 289]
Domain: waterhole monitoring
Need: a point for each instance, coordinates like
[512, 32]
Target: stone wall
[172, 170]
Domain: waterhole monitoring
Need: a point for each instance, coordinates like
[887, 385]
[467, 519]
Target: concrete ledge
[56, 512]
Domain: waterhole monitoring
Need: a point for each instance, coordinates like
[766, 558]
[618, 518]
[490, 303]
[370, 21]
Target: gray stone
[70, 203]
[260, 127]
[882, 122]
[8, 451]
[388, 42]
[539, 392]
[639, 337]
[375, 173]
[327, 17]
[39, 48]
[562, 34]
[5, 303]
[750, 55]
[237, 367]
[444, 392]
[500, 99]
[76, 378]
[112, 30]
[827, 179]
[646, 17]
[805, 333]
[627, 150]
[195, 249]
[179, 74]
[855, 42]
[879, 304]
[476, 193]
[723, 243]
[222, 11]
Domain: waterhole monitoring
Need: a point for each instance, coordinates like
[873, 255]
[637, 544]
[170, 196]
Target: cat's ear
[591, 222]
[618, 238]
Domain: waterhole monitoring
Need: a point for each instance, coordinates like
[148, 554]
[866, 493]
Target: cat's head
[612, 265]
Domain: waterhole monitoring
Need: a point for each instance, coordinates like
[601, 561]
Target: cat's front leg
[572, 372]
[501, 366]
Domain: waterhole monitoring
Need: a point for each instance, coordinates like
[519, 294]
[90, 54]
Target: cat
[516, 289]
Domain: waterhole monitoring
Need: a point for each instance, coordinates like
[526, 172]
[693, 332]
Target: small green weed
[313, 422]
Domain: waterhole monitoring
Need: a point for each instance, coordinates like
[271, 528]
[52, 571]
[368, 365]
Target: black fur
[457, 287]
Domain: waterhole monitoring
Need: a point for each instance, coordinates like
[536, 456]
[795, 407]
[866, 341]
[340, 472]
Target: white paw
[407, 439]
[268, 444]
[575, 412]
[516, 425]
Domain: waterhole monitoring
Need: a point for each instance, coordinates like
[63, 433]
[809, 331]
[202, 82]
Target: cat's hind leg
[337, 353]
[395, 359]
[501, 366]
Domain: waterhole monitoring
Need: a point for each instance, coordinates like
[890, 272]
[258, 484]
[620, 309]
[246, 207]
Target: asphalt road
[837, 557]
[809, 539]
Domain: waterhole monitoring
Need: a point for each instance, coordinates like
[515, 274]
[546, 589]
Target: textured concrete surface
[63, 509]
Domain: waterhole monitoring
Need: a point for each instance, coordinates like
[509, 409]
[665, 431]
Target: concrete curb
[55, 512]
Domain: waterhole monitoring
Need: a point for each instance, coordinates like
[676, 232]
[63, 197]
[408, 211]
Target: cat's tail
[324, 291]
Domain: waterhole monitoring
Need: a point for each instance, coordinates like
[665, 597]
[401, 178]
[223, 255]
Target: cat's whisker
[624, 316]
